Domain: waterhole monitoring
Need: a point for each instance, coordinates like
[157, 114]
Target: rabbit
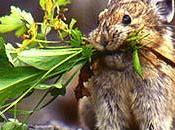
[121, 98]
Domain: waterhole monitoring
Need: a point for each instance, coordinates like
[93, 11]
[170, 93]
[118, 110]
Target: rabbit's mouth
[110, 46]
[112, 52]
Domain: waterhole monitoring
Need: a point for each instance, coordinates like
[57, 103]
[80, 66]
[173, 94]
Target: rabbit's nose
[104, 41]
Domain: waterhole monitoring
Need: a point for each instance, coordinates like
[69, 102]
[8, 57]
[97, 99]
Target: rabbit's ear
[164, 9]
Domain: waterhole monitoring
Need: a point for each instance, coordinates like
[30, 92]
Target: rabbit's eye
[126, 19]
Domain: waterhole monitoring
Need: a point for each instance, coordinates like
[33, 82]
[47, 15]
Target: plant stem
[4, 117]
[15, 114]
[53, 42]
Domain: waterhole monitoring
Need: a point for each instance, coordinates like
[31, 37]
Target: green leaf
[14, 124]
[12, 56]
[76, 38]
[17, 21]
[22, 30]
[44, 59]
[14, 81]
[87, 51]
[76, 34]
[75, 43]
[22, 15]
[136, 62]
[3, 57]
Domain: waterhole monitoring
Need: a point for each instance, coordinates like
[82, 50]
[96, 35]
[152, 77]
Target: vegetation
[29, 65]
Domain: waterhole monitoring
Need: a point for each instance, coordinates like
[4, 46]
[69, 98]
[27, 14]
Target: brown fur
[122, 99]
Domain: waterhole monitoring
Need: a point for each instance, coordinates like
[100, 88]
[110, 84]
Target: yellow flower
[59, 25]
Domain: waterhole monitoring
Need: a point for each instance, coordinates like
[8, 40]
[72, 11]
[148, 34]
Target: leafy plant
[37, 59]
